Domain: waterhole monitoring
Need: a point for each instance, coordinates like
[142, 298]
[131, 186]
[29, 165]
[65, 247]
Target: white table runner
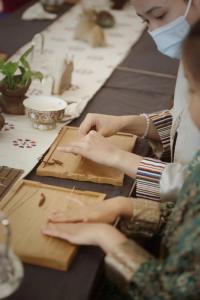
[21, 145]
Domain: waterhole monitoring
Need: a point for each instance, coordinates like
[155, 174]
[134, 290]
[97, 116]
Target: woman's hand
[104, 124]
[95, 147]
[98, 149]
[102, 235]
[106, 212]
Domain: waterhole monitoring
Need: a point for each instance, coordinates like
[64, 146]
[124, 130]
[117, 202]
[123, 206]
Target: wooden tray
[21, 205]
[79, 168]
[8, 176]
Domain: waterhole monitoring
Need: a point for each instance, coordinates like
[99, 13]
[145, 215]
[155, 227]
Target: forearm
[123, 206]
[127, 162]
[143, 277]
[137, 125]
[123, 261]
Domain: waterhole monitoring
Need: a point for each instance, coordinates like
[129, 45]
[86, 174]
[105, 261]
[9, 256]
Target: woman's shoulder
[191, 186]
[182, 227]
[194, 169]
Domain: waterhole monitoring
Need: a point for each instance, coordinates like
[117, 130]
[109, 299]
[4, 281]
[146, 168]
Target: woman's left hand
[102, 235]
[106, 212]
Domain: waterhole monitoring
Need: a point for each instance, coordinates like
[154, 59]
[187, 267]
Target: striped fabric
[163, 124]
[148, 178]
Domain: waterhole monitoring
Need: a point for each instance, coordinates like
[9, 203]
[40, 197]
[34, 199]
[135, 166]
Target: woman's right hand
[106, 212]
[104, 124]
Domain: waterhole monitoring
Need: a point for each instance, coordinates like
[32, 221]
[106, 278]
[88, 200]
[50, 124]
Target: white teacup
[45, 111]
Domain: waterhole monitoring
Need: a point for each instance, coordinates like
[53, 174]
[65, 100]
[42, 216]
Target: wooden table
[144, 82]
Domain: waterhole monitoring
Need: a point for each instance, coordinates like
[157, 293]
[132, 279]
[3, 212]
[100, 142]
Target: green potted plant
[16, 77]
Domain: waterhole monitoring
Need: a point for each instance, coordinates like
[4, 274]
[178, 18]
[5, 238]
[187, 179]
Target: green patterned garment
[177, 275]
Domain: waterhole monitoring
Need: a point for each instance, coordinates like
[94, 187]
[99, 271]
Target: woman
[176, 274]
[168, 22]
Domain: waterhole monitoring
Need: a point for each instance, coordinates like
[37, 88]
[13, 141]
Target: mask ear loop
[188, 8]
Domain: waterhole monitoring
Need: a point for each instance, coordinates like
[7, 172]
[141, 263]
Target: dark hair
[191, 52]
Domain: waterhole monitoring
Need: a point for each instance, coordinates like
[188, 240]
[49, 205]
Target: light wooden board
[21, 205]
[79, 168]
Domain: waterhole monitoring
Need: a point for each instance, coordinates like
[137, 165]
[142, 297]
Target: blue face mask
[169, 38]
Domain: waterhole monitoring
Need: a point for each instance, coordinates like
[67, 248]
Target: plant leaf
[23, 58]
[9, 68]
[12, 80]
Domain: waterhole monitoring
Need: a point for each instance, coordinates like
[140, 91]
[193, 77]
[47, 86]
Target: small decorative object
[11, 270]
[52, 6]
[2, 120]
[42, 200]
[38, 44]
[119, 4]
[44, 111]
[17, 77]
[62, 76]
[61, 80]
[58, 162]
[87, 30]
[50, 163]
[105, 19]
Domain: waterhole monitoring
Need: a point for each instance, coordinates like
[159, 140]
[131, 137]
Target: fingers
[67, 232]
[80, 147]
[75, 201]
[62, 218]
[88, 124]
[73, 148]
[53, 231]
[73, 216]
[57, 217]
[61, 231]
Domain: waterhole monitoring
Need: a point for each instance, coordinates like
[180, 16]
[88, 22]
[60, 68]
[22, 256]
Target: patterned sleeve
[148, 178]
[150, 170]
[124, 261]
[176, 274]
[144, 277]
[163, 123]
[146, 219]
